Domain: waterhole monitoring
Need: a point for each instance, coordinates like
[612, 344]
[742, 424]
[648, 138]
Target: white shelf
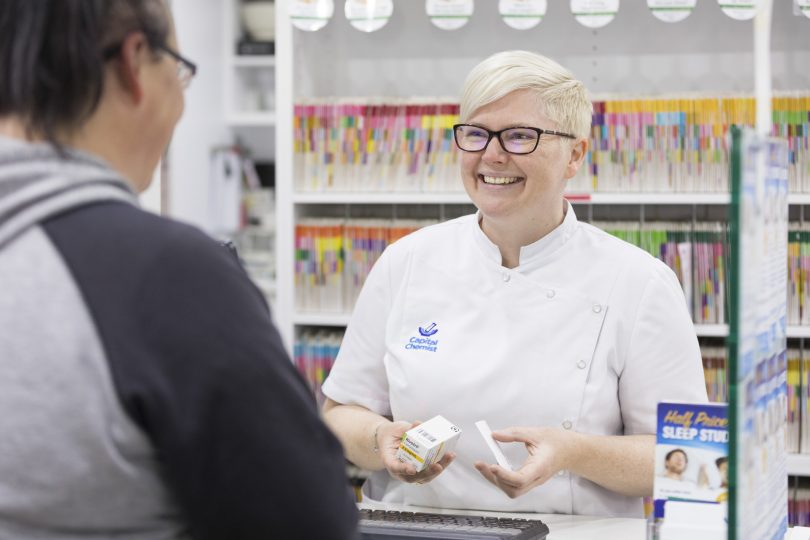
[381, 198]
[798, 331]
[798, 464]
[252, 119]
[711, 330]
[649, 198]
[799, 198]
[702, 330]
[253, 61]
[264, 229]
[321, 319]
[669, 198]
[346, 197]
[721, 330]
[266, 285]
[337, 197]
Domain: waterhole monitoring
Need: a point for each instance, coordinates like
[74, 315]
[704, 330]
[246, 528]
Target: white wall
[635, 53]
[151, 198]
[200, 32]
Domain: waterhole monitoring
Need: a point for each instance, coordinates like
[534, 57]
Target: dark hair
[669, 455]
[51, 56]
[719, 461]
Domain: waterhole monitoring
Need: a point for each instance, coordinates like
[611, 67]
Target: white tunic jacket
[588, 333]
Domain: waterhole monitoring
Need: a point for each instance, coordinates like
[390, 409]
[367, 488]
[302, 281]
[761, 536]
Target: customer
[561, 336]
[144, 393]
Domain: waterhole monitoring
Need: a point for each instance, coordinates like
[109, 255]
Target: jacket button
[581, 364]
[567, 424]
[506, 277]
[550, 293]
[597, 308]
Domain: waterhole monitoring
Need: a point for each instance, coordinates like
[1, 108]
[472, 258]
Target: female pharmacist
[562, 337]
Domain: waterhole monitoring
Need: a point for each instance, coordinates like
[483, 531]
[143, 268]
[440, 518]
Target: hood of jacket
[36, 182]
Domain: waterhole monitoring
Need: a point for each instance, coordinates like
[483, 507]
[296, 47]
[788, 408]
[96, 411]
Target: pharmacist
[561, 336]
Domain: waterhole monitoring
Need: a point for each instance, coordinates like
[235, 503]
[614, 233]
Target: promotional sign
[757, 337]
[311, 15]
[691, 453]
[523, 14]
[449, 14]
[594, 13]
[742, 10]
[671, 10]
[368, 15]
[804, 7]
[690, 487]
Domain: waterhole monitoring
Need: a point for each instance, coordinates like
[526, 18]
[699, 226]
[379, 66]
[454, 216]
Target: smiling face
[521, 194]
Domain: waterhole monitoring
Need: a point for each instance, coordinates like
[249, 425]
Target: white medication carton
[493, 445]
[428, 442]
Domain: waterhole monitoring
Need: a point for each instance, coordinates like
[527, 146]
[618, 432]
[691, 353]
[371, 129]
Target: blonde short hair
[564, 97]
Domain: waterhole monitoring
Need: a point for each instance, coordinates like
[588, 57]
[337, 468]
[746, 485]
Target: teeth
[499, 179]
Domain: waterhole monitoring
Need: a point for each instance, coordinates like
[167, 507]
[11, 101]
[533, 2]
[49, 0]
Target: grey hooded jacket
[144, 393]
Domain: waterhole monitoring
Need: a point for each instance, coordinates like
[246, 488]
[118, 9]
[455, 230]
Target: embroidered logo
[429, 331]
[423, 341]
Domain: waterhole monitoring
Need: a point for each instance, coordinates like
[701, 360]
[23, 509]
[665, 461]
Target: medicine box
[428, 442]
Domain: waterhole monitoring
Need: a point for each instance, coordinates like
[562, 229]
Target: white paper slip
[486, 433]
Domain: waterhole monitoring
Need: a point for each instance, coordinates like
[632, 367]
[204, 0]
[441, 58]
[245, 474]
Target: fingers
[396, 430]
[389, 438]
[410, 475]
[490, 473]
[516, 479]
[397, 468]
[514, 434]
[513, 483]
[447, 459]
[486, 472]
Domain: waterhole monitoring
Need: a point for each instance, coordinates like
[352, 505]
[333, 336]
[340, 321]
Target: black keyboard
[393, 525]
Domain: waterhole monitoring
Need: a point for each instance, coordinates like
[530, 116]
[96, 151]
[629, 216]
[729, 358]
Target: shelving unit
[249, 88]
[702, 330]
[251, 119]
[798, 464]
[337, 320]
[689, 199]
[253, 61]
[389, 63]
[249, 104]
[654, 59]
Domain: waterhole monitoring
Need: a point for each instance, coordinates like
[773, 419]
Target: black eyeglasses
[186, 69]
[515, 140]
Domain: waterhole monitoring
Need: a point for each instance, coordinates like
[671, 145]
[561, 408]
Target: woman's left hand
[550, 450]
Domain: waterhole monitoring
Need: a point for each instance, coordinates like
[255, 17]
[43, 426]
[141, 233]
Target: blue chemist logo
[424, 341]
[429, 331]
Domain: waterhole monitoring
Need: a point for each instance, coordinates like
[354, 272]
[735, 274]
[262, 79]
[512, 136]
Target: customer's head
[562, 97]
[93, 74]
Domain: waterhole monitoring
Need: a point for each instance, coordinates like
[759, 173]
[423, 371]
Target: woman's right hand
[389, 435]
